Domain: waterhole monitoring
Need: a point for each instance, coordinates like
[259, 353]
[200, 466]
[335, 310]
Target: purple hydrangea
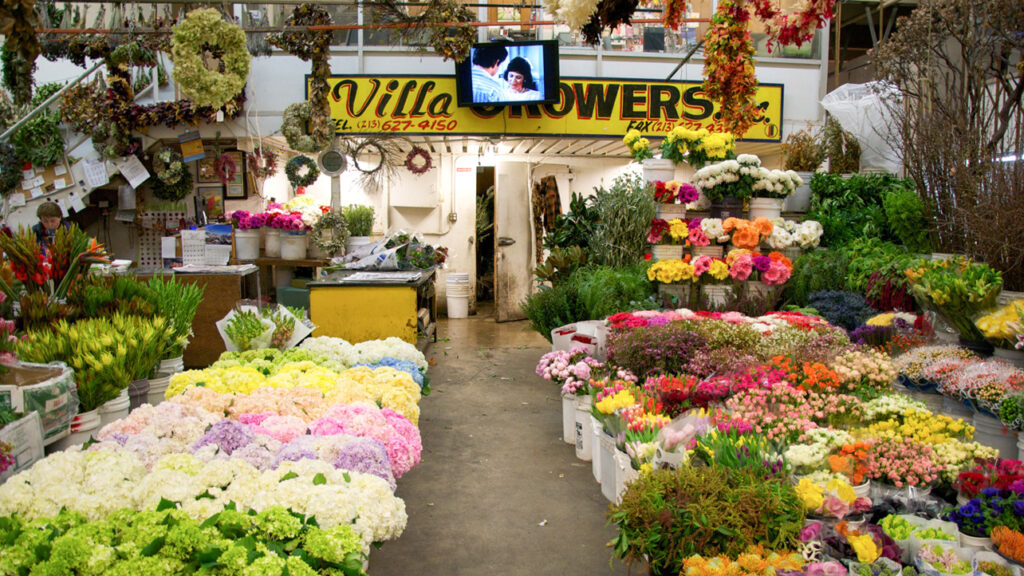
[258, 456]
[226, 435]
[366, 456]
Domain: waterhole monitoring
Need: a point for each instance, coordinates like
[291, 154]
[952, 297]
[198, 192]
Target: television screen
[512, 73]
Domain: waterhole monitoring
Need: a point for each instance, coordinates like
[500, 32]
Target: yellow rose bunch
[621, 399]
[671, 270]
[1004, 325]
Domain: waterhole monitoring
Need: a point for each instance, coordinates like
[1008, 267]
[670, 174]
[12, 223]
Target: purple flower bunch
[245, 220]
[652, 349]
[367, 456]
[687, 193]
[227, 435]
[990, 508]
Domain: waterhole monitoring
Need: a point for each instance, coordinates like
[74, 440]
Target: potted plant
[728, 184]
[247, 234]
[667, 238]
[770, 190]
[672, 197]
[359, 219]
[674, 277]
[697, 147]
[655, 169]
[841, 147]
[803, 152]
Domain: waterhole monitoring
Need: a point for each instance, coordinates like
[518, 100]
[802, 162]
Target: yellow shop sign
[586, 107]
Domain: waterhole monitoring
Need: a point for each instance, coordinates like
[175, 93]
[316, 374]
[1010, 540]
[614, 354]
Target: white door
[513, 239]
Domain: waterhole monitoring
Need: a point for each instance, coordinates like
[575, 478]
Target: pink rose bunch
[778, 413]
[901, 462]
[289, 222]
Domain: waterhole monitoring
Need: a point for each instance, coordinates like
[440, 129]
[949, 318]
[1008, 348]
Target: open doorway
[485, 234]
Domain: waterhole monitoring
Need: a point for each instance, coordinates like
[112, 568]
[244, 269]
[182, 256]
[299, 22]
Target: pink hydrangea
[281, 428]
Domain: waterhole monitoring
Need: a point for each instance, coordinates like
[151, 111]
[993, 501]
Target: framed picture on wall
[208, 170]
[213, 200]
[236, 188]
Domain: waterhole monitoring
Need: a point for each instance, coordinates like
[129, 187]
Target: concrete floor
[498, 492]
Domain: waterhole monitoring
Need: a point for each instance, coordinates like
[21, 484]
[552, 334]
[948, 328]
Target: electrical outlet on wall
[453, 217]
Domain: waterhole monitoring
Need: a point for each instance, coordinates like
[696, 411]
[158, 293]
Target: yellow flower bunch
[717, 145]
[621, 399]
[236, 380]
[756, 561]
[639, 147]
[924, 427]
[1004, 324]
[718, 270]
[678, 230]
[389, 388]
[672, 270]
[810, 494]
[865, 547]
[305, 375]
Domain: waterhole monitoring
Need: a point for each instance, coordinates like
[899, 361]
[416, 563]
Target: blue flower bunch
[992, 507]
[845, 309]
[403, 365]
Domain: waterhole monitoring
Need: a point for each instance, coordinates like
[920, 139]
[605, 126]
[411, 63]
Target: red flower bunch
[663, 194]
[799, 320]
[991, 473]
[658, 229]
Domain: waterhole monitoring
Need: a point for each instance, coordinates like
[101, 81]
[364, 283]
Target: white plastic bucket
[569, 418]
[354, 242]
[624, 474]
[800, 199]
[659, 170]
[458, 291]
[561, 338]
[157, 389]
[584, 436]
[272, 242]
[172, 365]
[293, 246]
[82, 427]
[247, 244]
[991, 432]
[765, 208]
[609, 467]
[596, 431]
[115, 409]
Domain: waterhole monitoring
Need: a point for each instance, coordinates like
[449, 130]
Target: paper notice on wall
[59, 170]
[76, 203]
[64, 207]
[168, 247]
[28, 174]
[132, 170]
[96, 174]
[17, 200]
[36, 192]
[60, 183]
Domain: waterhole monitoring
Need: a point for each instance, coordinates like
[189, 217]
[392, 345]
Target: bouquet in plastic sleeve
[249, 327]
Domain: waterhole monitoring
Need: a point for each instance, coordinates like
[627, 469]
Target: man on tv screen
[486, 62]
[521, 84]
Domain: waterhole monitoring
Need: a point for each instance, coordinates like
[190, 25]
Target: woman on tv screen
[521, 85]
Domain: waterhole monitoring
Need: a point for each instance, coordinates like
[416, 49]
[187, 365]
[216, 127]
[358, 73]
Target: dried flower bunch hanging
[204, 32]
[729, 68]
[225, 168]
[309, 46]
[262, 163]
[169, 166]
[21, 46]
[442, 17]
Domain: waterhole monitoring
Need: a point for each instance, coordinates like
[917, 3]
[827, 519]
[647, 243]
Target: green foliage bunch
[815, 271]
[624, 213]
[359, 219]
[39, 140]
[842, 148]
[604, 291]
[574, 227]
[669, 515]
[907, 217]
[849, 208]
[178, 302]
[552, 306]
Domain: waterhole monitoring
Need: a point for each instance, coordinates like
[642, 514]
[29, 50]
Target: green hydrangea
[69, 555]
[146, 566]
[270, 565]
[298, 567]
[332, 545]
[183, 540]
[277, 524]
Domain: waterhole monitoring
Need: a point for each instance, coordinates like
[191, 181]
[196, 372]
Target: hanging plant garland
[292, 168]
[370, 147]
[226, 168]
[169, 166]
[204, 30]
[329, 233]
[173, 192]
[424, 166]
[729, 68]
[10, 170]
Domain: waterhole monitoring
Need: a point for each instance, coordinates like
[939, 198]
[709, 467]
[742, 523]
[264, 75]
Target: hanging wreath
[226, 168]
[294, 126]
[173, 192]
[203, 30]
[373, 148]
[295, 164]
[308, 44]
[169, 166]
[329, 233]
[10, 170]
[262, 163]
[422, 168]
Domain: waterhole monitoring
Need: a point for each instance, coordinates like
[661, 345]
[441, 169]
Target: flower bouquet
[728, 179]
[959, 289]
[1009, 543]
[250, 327]
[639, 147]
[993, 473]
[697, 147]
[865, 373]
[901, 462]
[1004, 327]
[944, 559]
[776, 183]
[675, 192]
[989, 508]
[834, 500]
[245, 220]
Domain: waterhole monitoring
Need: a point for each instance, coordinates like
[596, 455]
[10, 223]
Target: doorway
[484, 234]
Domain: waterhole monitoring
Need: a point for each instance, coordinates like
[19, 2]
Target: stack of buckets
[457, 289]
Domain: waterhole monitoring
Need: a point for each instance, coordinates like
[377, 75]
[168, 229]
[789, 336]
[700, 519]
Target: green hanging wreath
[329, 233]
[169, 166]
[369, 147]
[295, 127]
[204, 30]
[295, 164]
[173, 192]
[10, 170]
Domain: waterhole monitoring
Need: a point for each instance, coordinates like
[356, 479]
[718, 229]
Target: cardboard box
[26, 437]
[47, 389]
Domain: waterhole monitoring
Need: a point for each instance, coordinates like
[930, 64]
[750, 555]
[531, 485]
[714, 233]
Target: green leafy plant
[814, 271]
[359, 219]
[803, 151]
[842, 148]
[624, 212]
[907, 218]
[604, 291]
[669, 515]
[560, 264]
[573, 228]
[39, 140]
[849, 208]
[178, 302]
[551, 307]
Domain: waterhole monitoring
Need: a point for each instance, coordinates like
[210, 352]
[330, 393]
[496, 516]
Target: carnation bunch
[901, 462]
[864, 372]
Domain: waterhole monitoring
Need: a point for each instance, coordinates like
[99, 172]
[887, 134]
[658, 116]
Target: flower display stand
[666, 251]
[671, 211]
[712, 251]
[569, 418]
[765, 208]
[716, 294]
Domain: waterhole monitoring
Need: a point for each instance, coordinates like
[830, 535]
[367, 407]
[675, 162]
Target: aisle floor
[498, 492]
